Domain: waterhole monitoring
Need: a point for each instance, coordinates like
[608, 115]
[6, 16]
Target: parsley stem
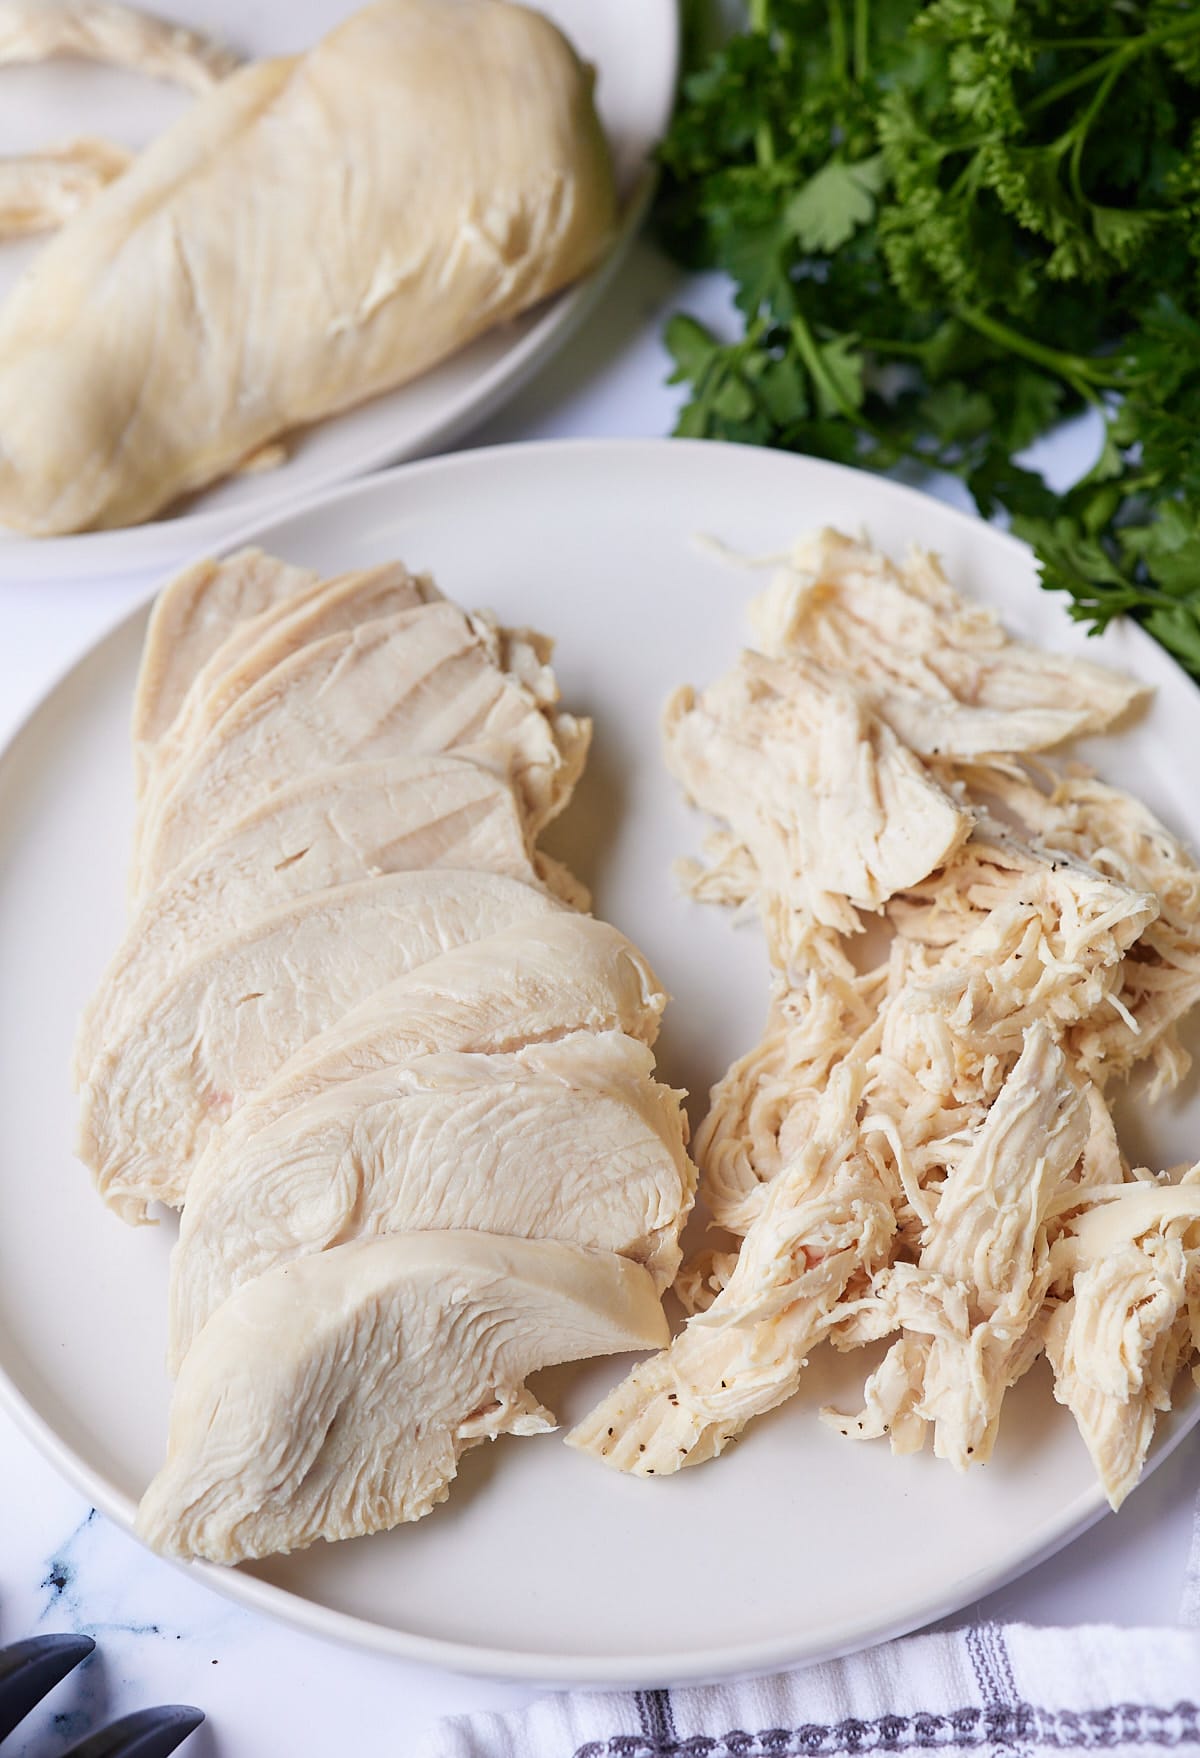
[837, 40]
[1123, 52]
[862, 40]
[823, 379]
[808, 351]
[764, 138]
[1083, 127]
[885, 345]
[1084, 376]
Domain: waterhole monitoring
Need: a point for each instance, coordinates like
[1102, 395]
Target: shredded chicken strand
[38, 191]
[1117, 835]
[825, 1218]
[101, 30]
[970, 1305]
[1130, 1321]
[938, 668]
[834, 814]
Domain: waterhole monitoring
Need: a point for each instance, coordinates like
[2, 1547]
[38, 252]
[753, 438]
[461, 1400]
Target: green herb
[950, 226]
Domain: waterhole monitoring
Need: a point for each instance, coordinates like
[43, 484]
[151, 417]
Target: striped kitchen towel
[993, 1689]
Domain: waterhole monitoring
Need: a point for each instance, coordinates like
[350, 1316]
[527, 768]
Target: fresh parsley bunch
[950, 225]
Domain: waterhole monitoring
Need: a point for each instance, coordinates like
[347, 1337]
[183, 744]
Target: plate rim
[560, 1670]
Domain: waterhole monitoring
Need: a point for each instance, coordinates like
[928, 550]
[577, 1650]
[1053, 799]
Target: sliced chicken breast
[333, 1396]
[192, 616]
[331, 828]
[424, 680]
[572, 1140]
[528, 984]
[255, 647]
[225, 1022]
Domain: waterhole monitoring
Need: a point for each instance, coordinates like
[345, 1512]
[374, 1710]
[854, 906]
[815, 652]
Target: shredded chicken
[834, 813]
[38, 191]
[100, 30]
[1001, 936]
[1132, 1318]
[969, 1306]
[768, 1101]
[1160, 977]
[825, 1222]
[938, 668]
[924, 1150]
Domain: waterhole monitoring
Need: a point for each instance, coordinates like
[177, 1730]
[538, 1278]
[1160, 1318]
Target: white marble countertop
[266, 1688]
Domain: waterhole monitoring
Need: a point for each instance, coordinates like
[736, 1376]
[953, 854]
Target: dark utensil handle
[147, 1733]
[28, 1670]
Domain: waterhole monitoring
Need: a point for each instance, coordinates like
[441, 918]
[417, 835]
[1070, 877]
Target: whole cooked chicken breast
[223, 1024]
[573, 1140]
[333, 1396]
[528, 984]
[428, 679]
[329, 828]
[313, 231]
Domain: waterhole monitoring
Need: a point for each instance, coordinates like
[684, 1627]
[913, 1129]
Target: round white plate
[634, 47]
[798, 1543]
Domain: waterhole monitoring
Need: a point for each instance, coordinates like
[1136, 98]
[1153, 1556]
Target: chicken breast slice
[192, 616]
[186, 309]
[425, 680]
[254, 647]
[939, 669]
[531, 983]
[334, 1396]
[968, 1308]
[331, 828]
[572, 1140]
[38, 191]
[225, 1022]
[1131, 1319]
[834, 813]
[825, 1220]
[102, 30]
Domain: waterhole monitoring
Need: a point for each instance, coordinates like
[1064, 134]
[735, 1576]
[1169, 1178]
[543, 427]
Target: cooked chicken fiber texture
[292, 246]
